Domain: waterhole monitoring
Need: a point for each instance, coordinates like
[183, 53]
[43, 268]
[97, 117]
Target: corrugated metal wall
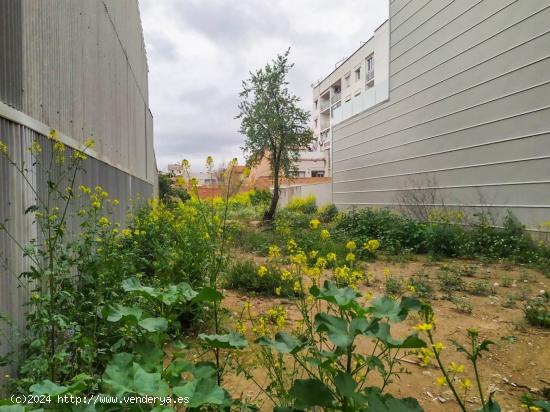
[11, 53]
[16, 195]
[469, 111]
[78, 66]
[85, 74]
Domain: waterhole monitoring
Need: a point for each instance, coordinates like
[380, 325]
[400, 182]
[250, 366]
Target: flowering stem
[443, 370]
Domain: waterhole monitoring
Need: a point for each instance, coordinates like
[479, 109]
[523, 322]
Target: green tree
[274, 126]
[168, 191]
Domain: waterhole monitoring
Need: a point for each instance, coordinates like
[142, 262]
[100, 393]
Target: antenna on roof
[339, 62]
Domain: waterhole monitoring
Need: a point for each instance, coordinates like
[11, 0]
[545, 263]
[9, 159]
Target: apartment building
[79, 67]
[467, 114]
[356, 84]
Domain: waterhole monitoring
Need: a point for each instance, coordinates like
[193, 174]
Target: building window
[317, 173]
[347, 80]
[358, 74]
[315, 123]
[370, 63]
[315, 104]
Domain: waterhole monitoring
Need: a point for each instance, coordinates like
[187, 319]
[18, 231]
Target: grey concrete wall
[322, 193]
[468, 112]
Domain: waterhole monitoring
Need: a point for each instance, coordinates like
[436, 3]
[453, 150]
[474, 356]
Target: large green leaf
[123, 375]
[381, 330]
[231, 340]
[310, 392]
[116, 312]
[336, 329]
[12, 408]
[181, 292]
[47, 387]
[134, 285]
[345, 384]
[202, 391]
[154, 324]
[343, 297]
[386, 403]
[208, 294]
[394, 311]
[283, 342]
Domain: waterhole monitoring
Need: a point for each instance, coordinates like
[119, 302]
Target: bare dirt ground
[518, 363]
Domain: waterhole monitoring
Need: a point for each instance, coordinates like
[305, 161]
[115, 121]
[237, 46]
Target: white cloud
[199, 51]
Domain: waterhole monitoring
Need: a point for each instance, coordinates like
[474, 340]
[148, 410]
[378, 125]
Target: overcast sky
[199, 51]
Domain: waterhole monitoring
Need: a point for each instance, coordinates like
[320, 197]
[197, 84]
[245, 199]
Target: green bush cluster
[537, 310]
[443, 237]
[243, 276]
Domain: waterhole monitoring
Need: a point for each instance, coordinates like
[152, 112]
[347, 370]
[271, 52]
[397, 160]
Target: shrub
[481, 288]
[537, 310]
[396, 233]
[462, 305]
[444, 239]
[305, 205]
[327, 213]
[393, 286]
[261, 197]
[450, 282]
[420, 285]
[244, 276]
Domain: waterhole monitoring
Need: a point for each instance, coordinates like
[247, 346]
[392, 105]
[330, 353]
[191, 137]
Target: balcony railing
[369, 76]
[336, 97]
[325, 104]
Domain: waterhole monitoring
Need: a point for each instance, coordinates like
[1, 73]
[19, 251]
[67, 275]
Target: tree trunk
[270, 214]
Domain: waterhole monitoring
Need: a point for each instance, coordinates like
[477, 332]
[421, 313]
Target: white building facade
[357, 84]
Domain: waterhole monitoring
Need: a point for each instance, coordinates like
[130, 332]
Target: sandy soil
[517, 364]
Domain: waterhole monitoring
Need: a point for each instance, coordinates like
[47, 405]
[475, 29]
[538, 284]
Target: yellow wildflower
[297, 287]
[351, 245]
[3, 148]
[325, 234]
[84, 189]
[438, 347]
[89, 143]
[96, 204]
[262, 271]
[103, 221]
[299, 258]
[314, 224]
[116, 202]
[350, 257]
[53, 135]
[423, 326]
[456, 368]
[411, 288]
[78, 155]
[285, 275]
[35, 147]
[278, 291]
[127, 232]
[273, 252]
[387, 272]
[292, 245]
[59, 147]
[241, 328]
[321, 263]
[465, 383]
[372, 245]
[442, 380]
[331, 257]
